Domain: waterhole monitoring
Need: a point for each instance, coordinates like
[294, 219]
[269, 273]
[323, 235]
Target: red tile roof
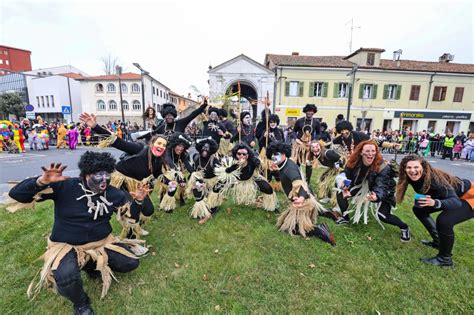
[385, 64]
[72, 75]
[111, 77]
[377, 50]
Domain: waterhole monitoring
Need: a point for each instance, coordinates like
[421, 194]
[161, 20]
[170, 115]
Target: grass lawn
[239, 263]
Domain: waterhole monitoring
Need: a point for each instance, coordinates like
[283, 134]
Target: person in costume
[245, 131]
[18, 138]
[81, 237]
[370, 182]
[176, 163]
[213, 128]
[301, 215]
[325, 134]
[203, 178]
[225, 145]
[436, 191]
[306, 129]
[262, 124]
[151, 119]
[239, 178]
[61, 135]
[72, 135]
[348, 138]
[140, 164]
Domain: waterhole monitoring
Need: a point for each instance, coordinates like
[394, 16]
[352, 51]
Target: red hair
[356, 156]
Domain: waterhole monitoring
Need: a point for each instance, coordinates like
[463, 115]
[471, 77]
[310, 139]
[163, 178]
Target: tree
[11, 103]
[109, 63]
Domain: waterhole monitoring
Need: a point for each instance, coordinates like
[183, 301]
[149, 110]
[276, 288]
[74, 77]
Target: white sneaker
[139, 250]
[324, 200]
[143, 232]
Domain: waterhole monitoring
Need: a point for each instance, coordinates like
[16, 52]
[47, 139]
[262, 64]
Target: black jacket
[73, 224]
[275, 134]
[210, 129]
[301, 122]
[178, 125]
[288, 174]
[357, 136]
[448, 196]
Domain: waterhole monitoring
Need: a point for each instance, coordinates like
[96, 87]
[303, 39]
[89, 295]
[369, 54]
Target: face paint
[315, 148]
[247, 120]
[169, 118]
[179, 149]
[368, 154]
[98, 182]
[277, 158]
[242, 155]
[213, 116]
[158, 147]
[205, 150]
[414, 170]
[309, 114]
[273, 124]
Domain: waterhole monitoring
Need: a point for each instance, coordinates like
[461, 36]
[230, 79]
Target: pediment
[242, 65]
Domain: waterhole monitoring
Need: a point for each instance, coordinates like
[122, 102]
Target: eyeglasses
[242, 154]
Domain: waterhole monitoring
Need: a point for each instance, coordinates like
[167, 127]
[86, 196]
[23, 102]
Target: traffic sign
[66, 109]
[29, 108]
[30, 115]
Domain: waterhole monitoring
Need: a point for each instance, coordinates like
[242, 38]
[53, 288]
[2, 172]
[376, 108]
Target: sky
[176, 41]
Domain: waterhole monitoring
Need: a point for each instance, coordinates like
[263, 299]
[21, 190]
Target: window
[392, 92]
[135, 88]
[368, 91]
[42, 101]
[125, 105]
[7, 62]
[318, 89]
[136, 105]
[99, 88]
[47, 100]
[112, 105]
[370, 59]
[458, 93]
[110, 88]
[1, 61]
[341, 90]
[100, 105]
[124, 88]
[153, 90]
[167, 96]
[415, 93]
[38, 101]
[5, 52]
[161, 93]
[439, 93]
[294, 88]
[52, 100]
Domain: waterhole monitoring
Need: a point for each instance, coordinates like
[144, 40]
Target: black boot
[322, 231]
[83, 310]
[430, 225]
[440, 261]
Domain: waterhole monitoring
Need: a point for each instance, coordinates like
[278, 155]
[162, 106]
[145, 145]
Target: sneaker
[405, 235]
[329, 214]
[324, 200]
[439, 261]
[326, 235]
[342, 221]
[143, 232]
[139, 250]
[83, 310]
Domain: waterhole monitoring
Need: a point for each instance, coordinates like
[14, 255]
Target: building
[387, 94]
[183, 104]
[14, 60]
[255, 80]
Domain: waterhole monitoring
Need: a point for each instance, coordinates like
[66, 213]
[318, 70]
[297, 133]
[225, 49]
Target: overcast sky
[177, 40]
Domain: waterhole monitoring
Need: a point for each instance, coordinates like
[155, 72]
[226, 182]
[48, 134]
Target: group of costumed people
[243, 164]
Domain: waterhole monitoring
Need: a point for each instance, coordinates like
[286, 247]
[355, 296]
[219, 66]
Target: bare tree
[109, 63]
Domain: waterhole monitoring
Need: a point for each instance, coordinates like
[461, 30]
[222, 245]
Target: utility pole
[143, 73]
[351, 91]
[118, 71]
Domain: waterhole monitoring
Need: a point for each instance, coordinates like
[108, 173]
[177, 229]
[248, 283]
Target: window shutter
[399, 92]
[311, 89]
[335, 92]
[436, 93]
[443, 93]
[325, 89]
[301, 87]
[374, 92]
[385, 91]
[361, 90]
[287, 88]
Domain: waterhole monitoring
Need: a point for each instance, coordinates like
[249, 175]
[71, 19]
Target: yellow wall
[377, 109]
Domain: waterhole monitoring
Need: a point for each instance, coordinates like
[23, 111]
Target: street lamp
[118, 71]
[142, 72]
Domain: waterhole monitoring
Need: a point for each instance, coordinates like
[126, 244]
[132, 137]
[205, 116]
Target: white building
[256, 82]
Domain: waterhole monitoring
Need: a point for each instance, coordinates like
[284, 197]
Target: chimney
[397, 54]
[295, 53]
[446, 57]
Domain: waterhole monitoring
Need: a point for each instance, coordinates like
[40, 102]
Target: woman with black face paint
[436, 191]
[213, 128]
[140, 164]
[81, 237]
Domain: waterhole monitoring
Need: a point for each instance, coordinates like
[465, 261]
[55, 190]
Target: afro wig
[278, 147]
[263, 114]
[324, 125]
[223, 113]
[179, 138]
[274, 118]
[213, 110]
[243, 114]
[310, 108]
[252, 158]
[344, 125]
[168, 108]
[213, 146]
[93, 162]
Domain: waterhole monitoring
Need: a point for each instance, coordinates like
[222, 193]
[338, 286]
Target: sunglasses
[242, 153]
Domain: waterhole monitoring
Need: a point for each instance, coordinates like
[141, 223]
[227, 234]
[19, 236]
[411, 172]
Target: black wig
[213, 110]
[344, 125]
[93, 162]
[279, 147]
[213, 146]
[168, 108]
[274, 118]
[223, 113]
[310, 107]
[179, 138]
[243, 114]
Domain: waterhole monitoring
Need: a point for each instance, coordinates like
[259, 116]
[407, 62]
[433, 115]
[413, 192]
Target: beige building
[387, 94]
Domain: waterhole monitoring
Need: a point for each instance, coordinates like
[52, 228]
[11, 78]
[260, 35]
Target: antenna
[352, 30]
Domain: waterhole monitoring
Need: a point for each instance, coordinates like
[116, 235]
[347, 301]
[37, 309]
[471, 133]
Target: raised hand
[53, 174]
[141, 192]
[89, 119]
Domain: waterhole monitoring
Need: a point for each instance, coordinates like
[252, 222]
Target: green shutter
[301, 87]
[385, 91]
[361, 90]
[374, 94]
[287, 88]
[399, 92]
[336, 90]
[311, 89]
[325, 89]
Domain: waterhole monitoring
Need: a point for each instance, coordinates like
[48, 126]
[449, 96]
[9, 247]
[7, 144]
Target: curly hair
[344, 125]
[213, 146]
[278, 147]
[322, 150]
[145, 114]
[213, 110]
[223, 113]
[356, 156]
[179, 138]
[430, 174]
[252, 158]
[168, 108]
[93, 162]
[274, 118]
[310, 107]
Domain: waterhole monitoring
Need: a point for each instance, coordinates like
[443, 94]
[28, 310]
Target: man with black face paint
[246, 131]
[213, 128]
[81, 237]
[141, 164]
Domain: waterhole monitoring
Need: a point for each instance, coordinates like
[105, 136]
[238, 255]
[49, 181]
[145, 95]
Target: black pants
[445, 223]
[447, 152]
[384, 212]
[68, 274]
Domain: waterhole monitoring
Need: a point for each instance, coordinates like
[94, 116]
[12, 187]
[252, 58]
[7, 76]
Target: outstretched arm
[183, 122]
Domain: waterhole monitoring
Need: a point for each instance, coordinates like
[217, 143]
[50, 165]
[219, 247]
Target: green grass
[239, 263]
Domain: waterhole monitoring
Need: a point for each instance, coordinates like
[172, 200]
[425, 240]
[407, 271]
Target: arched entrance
[248, 96]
